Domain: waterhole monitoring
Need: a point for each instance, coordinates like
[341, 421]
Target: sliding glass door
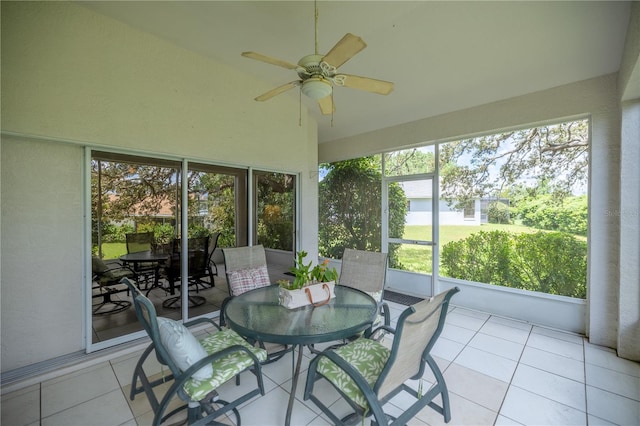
[137, 207]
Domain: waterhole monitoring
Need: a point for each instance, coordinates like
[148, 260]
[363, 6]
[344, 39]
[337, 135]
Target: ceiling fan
[318, 73]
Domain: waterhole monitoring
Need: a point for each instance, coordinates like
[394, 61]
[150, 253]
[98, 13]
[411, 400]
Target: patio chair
[246, 269]
[213, 245]
[138, 242]
[197, 368]
[366, 271]
[367, 374]
[106, 283]
[198, 269]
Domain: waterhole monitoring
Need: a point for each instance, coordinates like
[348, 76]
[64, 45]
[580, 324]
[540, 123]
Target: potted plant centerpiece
[311, 285]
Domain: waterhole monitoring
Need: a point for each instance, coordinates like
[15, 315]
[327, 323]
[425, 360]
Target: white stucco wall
[71, 74]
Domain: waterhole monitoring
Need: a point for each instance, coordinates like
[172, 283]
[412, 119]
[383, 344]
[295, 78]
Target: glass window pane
[350, 200]
[275, 210]
[133, 209]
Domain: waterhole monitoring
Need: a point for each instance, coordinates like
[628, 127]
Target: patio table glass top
[257, 314]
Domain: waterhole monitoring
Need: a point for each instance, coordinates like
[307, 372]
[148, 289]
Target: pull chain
[315, 6]
[300, 107]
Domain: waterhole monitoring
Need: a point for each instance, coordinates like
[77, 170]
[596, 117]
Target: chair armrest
[198, 321]
[386, 312]
[381, 329]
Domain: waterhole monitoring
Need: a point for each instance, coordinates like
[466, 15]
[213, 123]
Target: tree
[487, 165]
[409, 162]
[275, 210]
[350, 213]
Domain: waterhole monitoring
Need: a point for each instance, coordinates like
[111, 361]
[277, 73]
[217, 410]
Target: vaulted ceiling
[442, 56]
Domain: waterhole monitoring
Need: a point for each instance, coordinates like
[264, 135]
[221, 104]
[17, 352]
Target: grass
[113, 250]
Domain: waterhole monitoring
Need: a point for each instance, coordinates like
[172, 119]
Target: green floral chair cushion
[226, 367]
[365, 355]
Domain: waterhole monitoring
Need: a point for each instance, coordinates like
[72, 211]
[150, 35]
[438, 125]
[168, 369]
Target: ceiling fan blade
[274, 92]
[269, 60]
[380, 87]
[344, 50]
[326, 105]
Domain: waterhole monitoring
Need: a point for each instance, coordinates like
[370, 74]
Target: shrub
[482, 257]
[543, 212]
[549, 262]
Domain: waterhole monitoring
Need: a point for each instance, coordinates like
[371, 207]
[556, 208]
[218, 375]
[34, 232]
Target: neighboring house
[420, 202]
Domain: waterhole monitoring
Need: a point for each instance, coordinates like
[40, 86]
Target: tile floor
[498, 371]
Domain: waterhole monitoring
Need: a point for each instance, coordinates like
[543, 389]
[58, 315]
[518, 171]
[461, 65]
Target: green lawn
[113, 250]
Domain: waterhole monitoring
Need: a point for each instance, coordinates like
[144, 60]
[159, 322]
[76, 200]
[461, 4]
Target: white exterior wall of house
[73, 78]
[420, 213]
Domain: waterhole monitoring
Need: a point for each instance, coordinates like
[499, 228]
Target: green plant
[305, 274]
[322, 274]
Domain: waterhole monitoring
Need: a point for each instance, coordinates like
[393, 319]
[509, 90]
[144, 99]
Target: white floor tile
[607, 358]
[556, 364]
[611, 407]
[613, 381]
[21, 407]
[596, 421]
[271, 410]
[465, 321]
[489, 364]
[463, 412]
[505, 421]
[562, 335]
[457, 334]
[556, 346]
[513, 334]
[476, 387]
[483, 316]
[446, 349]
[551, 386]
[58, 395]
[497, 346]
[108, 409]
[531, 409]
[522, 325]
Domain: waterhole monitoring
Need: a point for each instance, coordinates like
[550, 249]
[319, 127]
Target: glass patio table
[258, 315]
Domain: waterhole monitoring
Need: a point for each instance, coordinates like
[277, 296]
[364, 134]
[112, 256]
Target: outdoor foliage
[276, 205]
[350, 212]
[499, 212]
[549, 262]
[546, 212]
[488, 165]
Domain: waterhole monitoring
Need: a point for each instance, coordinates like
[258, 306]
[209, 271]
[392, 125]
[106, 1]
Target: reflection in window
[275, 210]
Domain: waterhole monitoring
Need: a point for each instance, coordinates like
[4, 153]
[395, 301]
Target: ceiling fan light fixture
[316, 88]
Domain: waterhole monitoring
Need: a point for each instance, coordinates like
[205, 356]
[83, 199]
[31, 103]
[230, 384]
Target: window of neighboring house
[470, 210]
